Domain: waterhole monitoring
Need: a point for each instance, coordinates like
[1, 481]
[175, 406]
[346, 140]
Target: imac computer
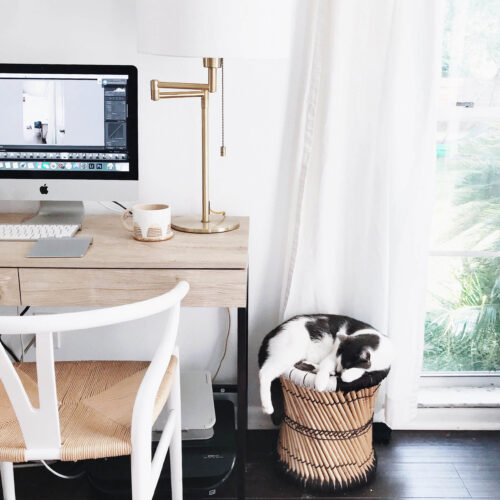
[67, 134]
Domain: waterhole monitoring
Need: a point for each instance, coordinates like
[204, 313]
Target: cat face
[353, 352]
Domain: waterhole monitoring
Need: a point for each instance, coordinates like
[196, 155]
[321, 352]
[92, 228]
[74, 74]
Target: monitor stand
[59, 212]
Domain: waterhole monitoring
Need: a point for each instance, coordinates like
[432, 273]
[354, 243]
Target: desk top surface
[113, 247]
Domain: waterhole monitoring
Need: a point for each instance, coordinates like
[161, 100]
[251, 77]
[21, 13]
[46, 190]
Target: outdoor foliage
[463, 334]
[462, 329]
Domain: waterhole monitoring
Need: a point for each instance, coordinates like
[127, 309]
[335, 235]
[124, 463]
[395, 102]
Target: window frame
[452, 111]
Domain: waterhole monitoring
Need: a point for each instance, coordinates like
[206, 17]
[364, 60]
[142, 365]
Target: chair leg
[174, 401]
[7, 471]
[145, 472]
[141, 471]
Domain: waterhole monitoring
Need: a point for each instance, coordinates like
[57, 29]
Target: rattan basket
[325, 439]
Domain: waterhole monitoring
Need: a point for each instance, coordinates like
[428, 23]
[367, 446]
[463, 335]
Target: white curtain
[362, 183]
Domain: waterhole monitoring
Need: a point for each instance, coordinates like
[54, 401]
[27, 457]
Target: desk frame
[242, 413]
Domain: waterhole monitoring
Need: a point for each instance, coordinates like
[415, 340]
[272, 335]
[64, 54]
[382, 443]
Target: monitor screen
[68, 121]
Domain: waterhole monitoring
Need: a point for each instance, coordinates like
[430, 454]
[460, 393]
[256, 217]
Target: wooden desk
[118, 269]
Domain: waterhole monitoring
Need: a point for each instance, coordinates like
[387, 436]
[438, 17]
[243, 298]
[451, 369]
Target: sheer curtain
[362, 182]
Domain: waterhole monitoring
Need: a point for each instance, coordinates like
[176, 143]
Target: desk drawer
[110, 287]
[9, 287]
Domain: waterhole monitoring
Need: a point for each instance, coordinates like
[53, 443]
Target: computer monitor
[68, 132]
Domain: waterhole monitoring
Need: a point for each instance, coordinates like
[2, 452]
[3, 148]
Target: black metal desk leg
[242, 398]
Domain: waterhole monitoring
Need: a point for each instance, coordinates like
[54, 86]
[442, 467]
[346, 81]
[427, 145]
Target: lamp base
[193, 224]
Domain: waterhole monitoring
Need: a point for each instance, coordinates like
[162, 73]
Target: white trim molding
[455, 419]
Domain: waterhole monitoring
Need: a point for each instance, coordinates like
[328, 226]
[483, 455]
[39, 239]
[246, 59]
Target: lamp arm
[182, 85]
[211, 63]
[192, 89]
[174, 95]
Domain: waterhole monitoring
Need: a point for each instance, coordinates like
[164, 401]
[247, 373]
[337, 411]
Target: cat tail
[278, 402]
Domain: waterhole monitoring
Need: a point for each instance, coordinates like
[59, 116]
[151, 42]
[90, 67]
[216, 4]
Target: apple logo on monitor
[44, 189]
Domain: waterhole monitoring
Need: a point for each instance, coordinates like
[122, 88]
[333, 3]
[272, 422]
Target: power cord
[110, 208]
[222, 212]
[120, 205]
[10, 352]
[225, 345]
[15, 358]
[62, 476]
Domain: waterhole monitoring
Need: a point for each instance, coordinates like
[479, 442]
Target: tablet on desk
[60, 247]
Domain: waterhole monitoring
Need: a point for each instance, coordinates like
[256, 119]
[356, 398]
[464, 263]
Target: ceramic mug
[151, 222]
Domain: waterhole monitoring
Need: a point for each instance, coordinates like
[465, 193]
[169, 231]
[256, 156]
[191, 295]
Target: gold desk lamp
[196, 28]
[209, 222]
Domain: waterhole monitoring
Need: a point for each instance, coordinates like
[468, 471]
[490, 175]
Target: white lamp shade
[216, 28]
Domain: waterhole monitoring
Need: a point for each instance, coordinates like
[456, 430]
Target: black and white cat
[336, 344]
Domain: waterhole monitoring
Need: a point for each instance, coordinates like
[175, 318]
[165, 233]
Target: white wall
[252, 180]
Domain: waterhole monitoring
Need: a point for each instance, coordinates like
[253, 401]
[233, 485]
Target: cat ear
[341, 336]
[365, 355]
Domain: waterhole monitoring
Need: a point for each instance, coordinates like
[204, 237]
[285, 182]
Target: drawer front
[110, 287]
[9, 287]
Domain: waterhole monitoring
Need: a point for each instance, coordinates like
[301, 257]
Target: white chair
[93, 409]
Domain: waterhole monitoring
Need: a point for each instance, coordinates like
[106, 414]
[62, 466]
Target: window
[462, 330]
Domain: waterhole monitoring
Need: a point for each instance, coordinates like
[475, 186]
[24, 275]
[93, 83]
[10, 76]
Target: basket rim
[367, 381]
[308, 394]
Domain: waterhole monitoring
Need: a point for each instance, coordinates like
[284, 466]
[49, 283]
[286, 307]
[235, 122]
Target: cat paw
[332, 384]
[351, 374]
[321, 381]
[268, 409]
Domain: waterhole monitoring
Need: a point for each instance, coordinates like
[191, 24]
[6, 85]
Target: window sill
[459, 397]
[471, 406]
[455, 419]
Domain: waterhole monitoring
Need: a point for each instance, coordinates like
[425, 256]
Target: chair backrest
[40, 426]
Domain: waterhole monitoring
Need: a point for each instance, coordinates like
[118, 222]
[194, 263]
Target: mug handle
[123, 219]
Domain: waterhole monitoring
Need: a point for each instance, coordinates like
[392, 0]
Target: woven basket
[325, 439]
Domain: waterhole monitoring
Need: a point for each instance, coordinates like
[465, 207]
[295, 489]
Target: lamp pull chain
[222, 147]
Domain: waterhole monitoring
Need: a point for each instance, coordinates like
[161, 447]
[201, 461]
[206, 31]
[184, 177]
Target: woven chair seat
[96, 400]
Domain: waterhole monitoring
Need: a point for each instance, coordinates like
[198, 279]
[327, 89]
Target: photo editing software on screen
[63, 122]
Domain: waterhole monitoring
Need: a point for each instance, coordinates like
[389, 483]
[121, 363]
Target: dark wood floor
[437, 465]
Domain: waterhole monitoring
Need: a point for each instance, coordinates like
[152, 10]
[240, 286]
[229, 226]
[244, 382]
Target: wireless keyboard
[29, 232]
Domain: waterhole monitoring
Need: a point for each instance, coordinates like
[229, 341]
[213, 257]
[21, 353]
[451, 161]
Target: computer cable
[10, 352]
[58, 474]
[225, 345]
[110, 208]
[120, 205]
[62, 476]
[21, 337]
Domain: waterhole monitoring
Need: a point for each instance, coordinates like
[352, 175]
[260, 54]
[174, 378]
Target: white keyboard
[28, 232]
